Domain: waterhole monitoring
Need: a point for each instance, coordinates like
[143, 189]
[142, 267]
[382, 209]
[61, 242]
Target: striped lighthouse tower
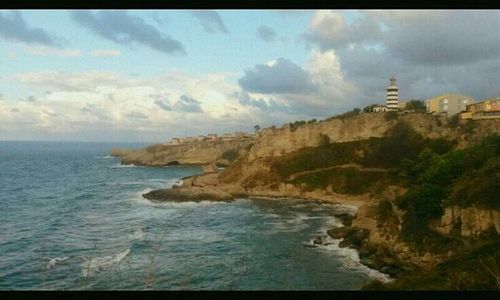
[392, 95]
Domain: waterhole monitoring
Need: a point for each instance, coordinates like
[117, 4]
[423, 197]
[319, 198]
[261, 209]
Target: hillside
[426, 187]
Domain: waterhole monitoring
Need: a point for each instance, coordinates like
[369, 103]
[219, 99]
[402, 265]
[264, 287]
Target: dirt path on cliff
[344, 166]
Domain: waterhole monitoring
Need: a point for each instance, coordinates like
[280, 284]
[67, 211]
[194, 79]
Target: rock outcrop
[193, 153]
[469, 221]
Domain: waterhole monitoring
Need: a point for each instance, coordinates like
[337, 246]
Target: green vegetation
[402, 142]
[475, 268]
[344, 180]
[256, 128]
[297, 124]
[460, 177]
[311, 158]
[416, 105]
[369, 108]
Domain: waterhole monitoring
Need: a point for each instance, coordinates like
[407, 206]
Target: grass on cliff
[401, 142]
[345, 180]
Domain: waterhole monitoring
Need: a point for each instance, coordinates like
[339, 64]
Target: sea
[73, 218]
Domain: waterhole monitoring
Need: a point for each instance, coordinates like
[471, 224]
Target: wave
[137, 235]
[104, 157]
[119, 166]
[56, 261]
[101, 263]
[349, 257]
[166, 183]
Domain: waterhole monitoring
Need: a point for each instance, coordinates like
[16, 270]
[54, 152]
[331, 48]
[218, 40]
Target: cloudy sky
[147, 76]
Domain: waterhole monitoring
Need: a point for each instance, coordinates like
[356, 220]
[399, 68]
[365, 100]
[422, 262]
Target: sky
[151, 75]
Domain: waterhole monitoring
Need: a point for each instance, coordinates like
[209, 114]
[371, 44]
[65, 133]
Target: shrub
[296, 124]
[344, 180]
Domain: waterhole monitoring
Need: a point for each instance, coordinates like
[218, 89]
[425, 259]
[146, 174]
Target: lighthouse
[392, 95]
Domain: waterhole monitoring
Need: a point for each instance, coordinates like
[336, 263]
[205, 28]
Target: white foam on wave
[138, 198]
[350, 258]
[137, 235]
[56, 261]
[104, 157]
[120, 166]
[157, 182]
[97, 264]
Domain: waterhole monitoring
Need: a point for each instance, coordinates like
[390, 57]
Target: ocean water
[73, 218]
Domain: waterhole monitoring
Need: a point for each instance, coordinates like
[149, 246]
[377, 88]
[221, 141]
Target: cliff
[425, 191]
[218, 152]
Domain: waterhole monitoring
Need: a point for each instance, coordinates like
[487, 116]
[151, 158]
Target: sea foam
[97, 264]
[56, 261]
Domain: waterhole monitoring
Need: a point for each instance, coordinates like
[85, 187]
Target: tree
[256, 128]
[416, 105]
[369, 108]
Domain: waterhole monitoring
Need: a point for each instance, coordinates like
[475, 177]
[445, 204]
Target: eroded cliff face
[194, 153]
[467, 221]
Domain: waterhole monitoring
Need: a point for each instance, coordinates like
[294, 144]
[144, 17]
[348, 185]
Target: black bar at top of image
[249, 4]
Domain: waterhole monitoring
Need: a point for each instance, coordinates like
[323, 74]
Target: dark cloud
[282, 77]
[210, 20]
[163, 105]
[429, 52]
[187, 104]
[14, 27]
[266, 33]
[330, 30]
[267, 106]
[122, 28]
[444, 37]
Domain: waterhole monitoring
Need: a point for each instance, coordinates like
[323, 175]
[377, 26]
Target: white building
[379, 108]
[392, 95]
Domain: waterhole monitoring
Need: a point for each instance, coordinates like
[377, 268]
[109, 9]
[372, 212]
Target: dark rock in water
[318, 240]
[353, 239]
[339, 233]
[186, 195]
[356, 237]
[345, 219]
[345, 243]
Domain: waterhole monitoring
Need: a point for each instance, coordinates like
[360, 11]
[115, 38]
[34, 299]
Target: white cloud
[108, 106]
[52, 51]
[105, 53]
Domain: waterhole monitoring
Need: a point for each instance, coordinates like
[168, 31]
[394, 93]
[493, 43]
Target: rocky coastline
[374, 230]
